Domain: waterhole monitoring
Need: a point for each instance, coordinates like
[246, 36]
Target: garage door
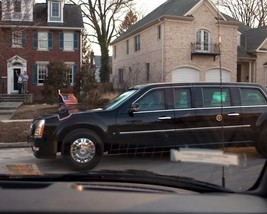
[185, 75]
[214, 75]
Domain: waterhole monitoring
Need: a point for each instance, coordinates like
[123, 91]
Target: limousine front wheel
[82, 149]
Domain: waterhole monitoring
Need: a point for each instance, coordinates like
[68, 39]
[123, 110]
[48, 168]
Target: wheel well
[69, 129]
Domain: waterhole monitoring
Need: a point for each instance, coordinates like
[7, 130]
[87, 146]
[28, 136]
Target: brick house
[180, 42]
[32, 36]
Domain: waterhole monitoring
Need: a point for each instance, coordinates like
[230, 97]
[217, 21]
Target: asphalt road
[238, 178]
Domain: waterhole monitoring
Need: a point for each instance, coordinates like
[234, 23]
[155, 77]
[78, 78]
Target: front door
[16, 73]
[149, 128]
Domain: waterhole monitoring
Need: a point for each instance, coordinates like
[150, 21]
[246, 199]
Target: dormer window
[55, 11]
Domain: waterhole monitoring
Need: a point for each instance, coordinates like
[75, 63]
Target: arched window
[203, 41]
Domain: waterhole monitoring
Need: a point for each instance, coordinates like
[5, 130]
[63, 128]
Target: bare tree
[104, 17]
[252, 13]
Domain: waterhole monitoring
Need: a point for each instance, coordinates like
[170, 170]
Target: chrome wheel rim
[82, 150]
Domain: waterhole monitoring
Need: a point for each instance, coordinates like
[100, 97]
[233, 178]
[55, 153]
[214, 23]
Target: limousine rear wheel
[261, 144]
[82, 149]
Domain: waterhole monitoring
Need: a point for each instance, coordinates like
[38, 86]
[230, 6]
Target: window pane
[42, 40]
[252, 97]
[216, 97]
[16, 38]
[68, 41]
[42, 73]
[55, 9]
[182, 98]
[154, 100]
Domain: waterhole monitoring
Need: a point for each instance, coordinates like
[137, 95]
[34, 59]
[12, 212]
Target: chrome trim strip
[151, 131]
[185, 129]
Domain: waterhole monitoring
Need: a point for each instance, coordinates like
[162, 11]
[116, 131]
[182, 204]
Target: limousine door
[218, 120]
[151, 123]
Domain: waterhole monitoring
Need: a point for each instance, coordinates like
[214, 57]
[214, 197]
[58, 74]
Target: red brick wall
[32, 55]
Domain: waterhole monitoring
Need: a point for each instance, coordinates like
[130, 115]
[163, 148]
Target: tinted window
[250, 96]
[215, 97]
[182, 98]
[153, 100]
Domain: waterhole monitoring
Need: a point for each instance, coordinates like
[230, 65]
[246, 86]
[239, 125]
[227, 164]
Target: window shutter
[9, 38]
[34, 74]
[23, 39]
[76, 41]
[35, 40]
[75, 67]
[61, 40]
[50, 40]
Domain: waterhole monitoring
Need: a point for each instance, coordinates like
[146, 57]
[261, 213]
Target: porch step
[24, 98]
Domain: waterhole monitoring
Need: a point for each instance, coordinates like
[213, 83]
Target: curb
[14, 145]
[16, 121]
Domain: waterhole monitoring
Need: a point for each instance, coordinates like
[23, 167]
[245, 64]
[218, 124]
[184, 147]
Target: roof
[171, 8]
[40, 17]
[255, 38]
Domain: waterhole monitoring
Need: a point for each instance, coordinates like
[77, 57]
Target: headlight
[39, 129]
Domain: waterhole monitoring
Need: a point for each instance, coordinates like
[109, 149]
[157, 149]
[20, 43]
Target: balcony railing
[206, 49]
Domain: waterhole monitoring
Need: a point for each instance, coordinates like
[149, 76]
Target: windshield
[118, 100]
[182, 95]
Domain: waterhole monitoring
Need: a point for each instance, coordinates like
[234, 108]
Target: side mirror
[134, 108]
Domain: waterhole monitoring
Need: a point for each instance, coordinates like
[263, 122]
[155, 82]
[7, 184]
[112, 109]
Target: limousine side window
[153, 100]
[182, 98]
[251, 96]
[216, 97]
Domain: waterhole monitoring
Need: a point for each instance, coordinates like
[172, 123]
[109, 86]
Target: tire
[82, 149]
[261, 143]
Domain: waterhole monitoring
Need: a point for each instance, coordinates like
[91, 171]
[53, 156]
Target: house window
[72, 73]
[69, 41]
[114, 52]
[17, 6]
[17, 38]
[120, 76]
[55, 9]
[137, 43]
[203, 41]
[147, 71]
[159, 31]
[42, 40]
[41, 73]
[127, 46]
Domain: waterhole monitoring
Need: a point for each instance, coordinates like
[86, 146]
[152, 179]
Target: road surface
[238, 178]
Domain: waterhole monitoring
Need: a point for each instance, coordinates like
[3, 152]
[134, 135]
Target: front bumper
[41, 148]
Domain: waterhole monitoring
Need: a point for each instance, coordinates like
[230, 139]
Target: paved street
[236, 177]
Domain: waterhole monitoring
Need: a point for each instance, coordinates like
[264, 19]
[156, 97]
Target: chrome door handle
[233, 114]
[164, 118]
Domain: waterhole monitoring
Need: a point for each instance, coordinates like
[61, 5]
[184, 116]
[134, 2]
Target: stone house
[32, 36]
[188, 41]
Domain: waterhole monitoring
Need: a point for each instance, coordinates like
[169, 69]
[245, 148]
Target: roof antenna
[221, 80]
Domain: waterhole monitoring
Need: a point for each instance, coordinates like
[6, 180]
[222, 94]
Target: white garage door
[185, 75]
[214, 75]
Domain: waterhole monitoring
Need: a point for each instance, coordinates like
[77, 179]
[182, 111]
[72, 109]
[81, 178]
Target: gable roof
[179, 9]
[40, 17]
[255, 38]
